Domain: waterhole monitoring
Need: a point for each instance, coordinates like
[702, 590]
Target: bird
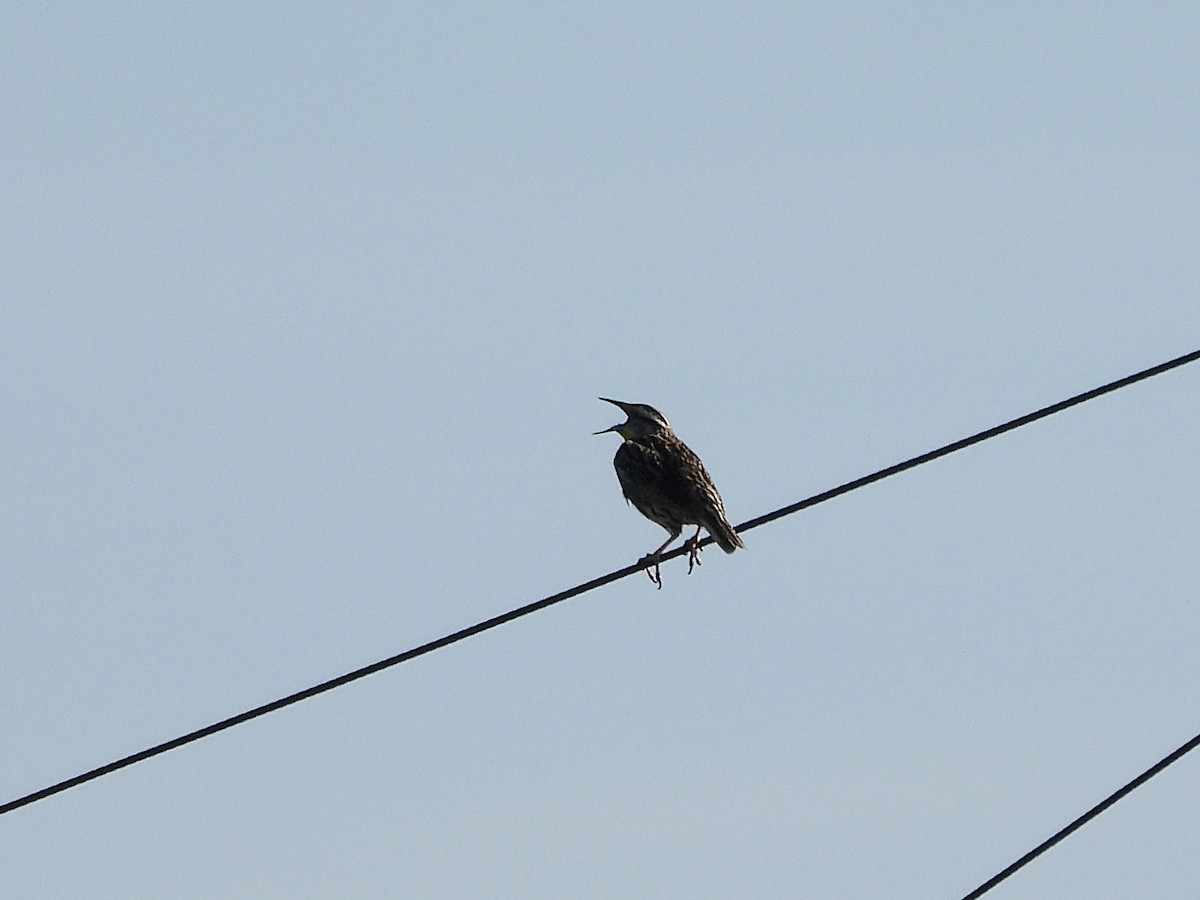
[668, 484]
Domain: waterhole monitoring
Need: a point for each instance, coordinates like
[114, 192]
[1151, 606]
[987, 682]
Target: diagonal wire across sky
[584, 587]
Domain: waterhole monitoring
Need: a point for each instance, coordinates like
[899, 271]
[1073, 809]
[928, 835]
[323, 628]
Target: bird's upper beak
[617, 428]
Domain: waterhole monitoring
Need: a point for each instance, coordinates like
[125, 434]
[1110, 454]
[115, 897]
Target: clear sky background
[305, 313]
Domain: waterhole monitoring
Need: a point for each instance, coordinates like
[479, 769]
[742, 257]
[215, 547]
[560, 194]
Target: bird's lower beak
[607, 430]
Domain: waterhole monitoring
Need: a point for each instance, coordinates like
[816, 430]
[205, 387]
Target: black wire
[1085, 818]
[973, 439]
[495, 621]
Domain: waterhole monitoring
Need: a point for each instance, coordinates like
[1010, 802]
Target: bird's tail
[723, 534]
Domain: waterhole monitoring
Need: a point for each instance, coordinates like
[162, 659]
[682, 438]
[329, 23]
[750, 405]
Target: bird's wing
[687, 478]
[654, 474]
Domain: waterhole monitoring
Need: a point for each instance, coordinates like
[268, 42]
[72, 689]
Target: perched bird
[667, 482]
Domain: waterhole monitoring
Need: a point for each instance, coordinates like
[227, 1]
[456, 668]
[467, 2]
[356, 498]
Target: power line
[509, 616]
[977, 438]
[1085, 818]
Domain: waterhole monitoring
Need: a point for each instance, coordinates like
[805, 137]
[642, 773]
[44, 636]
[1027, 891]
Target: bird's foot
[693, 549]
[650, 563]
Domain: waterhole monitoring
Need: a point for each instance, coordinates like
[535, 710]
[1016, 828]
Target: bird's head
[642, 420]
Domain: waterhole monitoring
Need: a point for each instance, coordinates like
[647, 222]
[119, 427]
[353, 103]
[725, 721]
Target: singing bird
[668, 484]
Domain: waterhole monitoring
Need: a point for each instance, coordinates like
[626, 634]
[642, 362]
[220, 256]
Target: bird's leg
[693, 549]
[650, 560]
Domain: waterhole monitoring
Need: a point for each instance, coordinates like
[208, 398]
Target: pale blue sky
[306, 311]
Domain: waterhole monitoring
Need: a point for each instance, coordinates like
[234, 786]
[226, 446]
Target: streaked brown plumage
[667, 483]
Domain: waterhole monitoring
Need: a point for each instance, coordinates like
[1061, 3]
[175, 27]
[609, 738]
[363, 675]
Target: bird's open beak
[620, 406]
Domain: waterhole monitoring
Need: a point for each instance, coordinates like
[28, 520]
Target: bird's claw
[693, 549]
[650, 563]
